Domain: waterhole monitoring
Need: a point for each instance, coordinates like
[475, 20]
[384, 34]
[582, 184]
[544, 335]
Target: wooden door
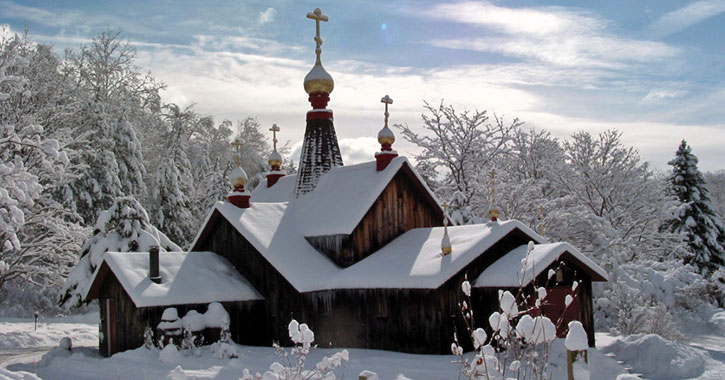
[555, 308]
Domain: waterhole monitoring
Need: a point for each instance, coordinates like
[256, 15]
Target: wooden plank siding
[403, 204]
[406, 320]
[131, 321]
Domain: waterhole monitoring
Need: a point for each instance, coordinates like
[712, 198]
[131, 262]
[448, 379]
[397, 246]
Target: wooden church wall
[403, 205]
[130, 321]
[282, 301]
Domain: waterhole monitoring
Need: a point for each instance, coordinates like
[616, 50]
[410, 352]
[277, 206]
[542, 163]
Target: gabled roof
[186, 278]
[342, 196]
[412, 260]
[516, 268]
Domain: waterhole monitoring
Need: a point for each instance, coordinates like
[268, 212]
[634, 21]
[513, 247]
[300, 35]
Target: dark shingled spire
[320, 151]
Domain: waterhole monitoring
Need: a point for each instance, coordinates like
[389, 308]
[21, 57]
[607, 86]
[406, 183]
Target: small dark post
[154, 264]
[36, 320]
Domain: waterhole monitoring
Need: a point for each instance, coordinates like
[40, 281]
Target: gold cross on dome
[238, 148]
[387, 100]
[274, 130]
[317, 16]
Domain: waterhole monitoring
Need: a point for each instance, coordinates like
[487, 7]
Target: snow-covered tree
[113, 96]
[698, 220]
[462, 146]
[36, 232]
[124, 227]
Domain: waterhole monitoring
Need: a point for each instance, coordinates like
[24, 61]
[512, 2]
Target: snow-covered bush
[518, 347]
[148, 337]
[294, 359]
[170, 355]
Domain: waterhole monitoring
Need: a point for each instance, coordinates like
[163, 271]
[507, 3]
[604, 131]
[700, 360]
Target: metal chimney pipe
[154, 264]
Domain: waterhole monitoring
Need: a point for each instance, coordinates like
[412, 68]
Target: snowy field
[29, 355]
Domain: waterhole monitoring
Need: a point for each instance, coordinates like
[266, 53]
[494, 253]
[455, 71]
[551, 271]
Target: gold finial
[317, 16]
[446, 247]
[275, 159]
[386, 136]
[318, 80]
[238, 148]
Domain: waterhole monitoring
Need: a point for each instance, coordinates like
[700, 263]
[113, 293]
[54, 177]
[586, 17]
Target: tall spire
[320, 151]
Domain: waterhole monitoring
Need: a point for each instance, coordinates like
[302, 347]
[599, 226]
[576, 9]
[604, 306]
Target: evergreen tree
[698, 220]
[124, 227]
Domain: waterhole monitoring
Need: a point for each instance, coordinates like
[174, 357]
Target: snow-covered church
[360, 253]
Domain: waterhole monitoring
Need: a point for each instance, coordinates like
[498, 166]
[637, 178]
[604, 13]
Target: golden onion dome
[318, 80]
[238, 177]
[386, 136]
[275, 159]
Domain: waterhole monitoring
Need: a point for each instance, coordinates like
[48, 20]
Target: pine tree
[124, 227]
[698, 220]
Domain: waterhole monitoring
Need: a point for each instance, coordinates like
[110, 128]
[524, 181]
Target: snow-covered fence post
[577, 360]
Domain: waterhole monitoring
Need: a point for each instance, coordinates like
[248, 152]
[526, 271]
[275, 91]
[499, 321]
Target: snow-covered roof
[512, 271]
[344, 194]
[186, 278]
[412, 260]
[282, 191]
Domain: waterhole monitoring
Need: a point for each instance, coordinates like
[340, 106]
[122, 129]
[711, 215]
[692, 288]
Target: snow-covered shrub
[294, 359]
[170, 354]
[148, 337]
[224, 348]
[193, 325]
[170, 328]
[518, 347]
[65, 343]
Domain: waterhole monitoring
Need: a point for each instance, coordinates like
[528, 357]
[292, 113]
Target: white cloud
[656, 95]
[556, 36]
[267, 15]
[682, 18]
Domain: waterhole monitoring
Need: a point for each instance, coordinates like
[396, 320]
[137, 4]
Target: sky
[652, 69]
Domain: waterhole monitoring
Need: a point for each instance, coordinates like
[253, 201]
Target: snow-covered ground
[24, 349]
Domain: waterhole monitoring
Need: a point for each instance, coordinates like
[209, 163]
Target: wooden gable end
[404, 204]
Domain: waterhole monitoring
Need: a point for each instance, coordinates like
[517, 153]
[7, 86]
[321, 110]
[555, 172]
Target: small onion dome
[275, 159]
[386, 136]
[318, 80]
[446, 247]
[493, 214]
[238, 177]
